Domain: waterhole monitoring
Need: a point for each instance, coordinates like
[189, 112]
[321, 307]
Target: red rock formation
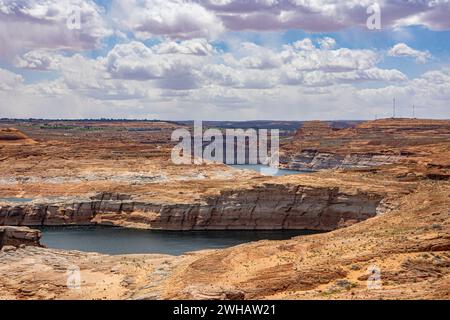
[16, 236]
[13, 136]
[266, 206]
[369, 144]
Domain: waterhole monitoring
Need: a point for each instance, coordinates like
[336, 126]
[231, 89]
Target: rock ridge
[17, 236]
[267, 206]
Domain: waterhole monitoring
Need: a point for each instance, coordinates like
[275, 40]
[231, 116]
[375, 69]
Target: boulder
[17, 236]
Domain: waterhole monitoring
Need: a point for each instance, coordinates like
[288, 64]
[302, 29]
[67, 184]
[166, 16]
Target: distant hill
[271, 124]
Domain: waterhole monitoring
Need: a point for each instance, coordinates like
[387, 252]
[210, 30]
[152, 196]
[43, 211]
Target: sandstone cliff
[409, 246]
[265, 206]
[16, 236]
[317, 146]
[317, 160]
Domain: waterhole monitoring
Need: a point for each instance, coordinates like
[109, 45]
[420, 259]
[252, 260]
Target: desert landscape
[377, 192]
[224, 158]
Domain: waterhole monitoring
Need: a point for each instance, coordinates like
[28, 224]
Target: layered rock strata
[317, 146]
[316, 160]
[16, 236]
[267, 206]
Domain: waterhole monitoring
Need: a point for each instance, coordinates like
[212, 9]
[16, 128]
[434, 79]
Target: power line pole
[414, 112]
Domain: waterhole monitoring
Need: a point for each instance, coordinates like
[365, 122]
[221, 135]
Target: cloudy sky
[223, 59]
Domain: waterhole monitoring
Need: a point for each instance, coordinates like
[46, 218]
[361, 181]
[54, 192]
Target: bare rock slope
[18, 236]
[119, 173]
[409, 246]
[263, 206]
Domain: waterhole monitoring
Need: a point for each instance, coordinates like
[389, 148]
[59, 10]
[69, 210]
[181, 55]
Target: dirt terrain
[401, 164]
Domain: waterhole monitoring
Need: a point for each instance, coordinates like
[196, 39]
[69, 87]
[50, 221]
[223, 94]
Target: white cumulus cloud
[171, 18]
[42, 24]
[403, 50]
[9, 80]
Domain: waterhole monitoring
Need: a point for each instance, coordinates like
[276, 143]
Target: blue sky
[237, 60]
[420, 38]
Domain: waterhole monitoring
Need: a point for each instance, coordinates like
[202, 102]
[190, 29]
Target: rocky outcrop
[14, 136]
[16, 236]
[409, 246]
[267, 206]
[316, 160]
[317, 146]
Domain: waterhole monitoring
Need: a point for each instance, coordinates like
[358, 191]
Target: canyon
[265, 206]
[317, 145]
[381, 190]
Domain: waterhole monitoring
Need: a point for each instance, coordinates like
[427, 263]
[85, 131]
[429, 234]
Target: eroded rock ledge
[267, 206]
[16, 236]
[316, 160]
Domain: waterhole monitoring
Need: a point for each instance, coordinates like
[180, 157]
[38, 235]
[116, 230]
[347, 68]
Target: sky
[224, 59]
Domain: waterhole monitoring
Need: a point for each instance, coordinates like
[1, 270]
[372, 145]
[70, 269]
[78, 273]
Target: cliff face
[268, 206]
[317, 146]
[316, 160]
[409, 246]
[16, 236]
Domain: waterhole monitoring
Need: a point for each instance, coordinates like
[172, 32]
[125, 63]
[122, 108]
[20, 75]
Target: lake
[115, 240]
[17, 200]
[266, 170]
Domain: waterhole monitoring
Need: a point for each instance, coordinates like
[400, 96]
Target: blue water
[266, 170]
[19, 200]
[111, 240]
